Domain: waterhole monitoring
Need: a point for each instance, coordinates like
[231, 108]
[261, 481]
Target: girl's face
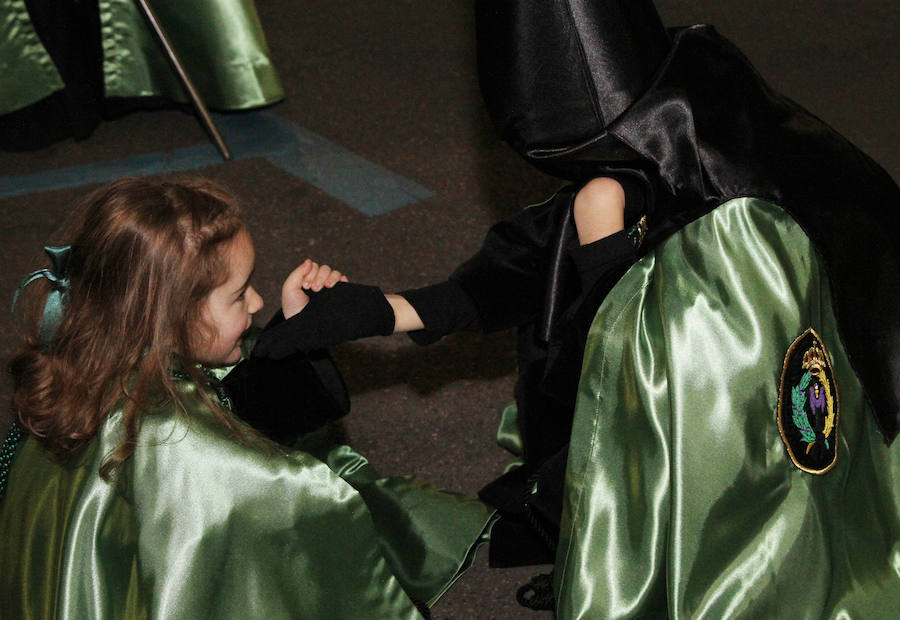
[229, 308]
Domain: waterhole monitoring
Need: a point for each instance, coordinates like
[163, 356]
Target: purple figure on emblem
[817, 403]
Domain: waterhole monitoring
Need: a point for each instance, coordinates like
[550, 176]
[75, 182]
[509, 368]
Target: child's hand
[309, 276]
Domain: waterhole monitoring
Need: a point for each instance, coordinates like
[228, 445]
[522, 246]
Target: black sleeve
[288, 397]
[444, 308]
[506, 279]
[595, 259]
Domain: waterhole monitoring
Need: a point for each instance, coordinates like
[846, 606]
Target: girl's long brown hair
[144, 257]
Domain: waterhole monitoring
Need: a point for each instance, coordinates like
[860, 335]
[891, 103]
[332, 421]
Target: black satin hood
[704, 129]
[555, 73]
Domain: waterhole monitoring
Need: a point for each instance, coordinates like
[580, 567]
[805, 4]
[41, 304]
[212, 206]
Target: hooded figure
[672, 460]
[582, 88]
[699, 479]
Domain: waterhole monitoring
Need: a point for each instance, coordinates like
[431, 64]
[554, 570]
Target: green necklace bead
[8, 453]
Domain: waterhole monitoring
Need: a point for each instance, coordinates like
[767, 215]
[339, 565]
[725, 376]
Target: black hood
[555, 73]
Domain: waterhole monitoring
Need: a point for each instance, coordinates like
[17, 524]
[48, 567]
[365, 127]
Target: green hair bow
[58, 276]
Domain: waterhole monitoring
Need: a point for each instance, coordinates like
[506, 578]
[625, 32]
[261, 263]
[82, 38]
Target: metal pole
[185, 80]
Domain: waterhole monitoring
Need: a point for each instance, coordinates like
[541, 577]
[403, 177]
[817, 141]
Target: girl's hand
[309, 276]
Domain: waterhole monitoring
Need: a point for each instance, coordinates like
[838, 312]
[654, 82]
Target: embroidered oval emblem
[808, 405]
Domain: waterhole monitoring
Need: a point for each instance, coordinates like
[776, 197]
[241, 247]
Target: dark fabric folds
[264, 394]
[507, 277]
[70, 31]
[601, 56]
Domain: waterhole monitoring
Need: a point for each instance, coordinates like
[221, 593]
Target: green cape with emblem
[682, 499]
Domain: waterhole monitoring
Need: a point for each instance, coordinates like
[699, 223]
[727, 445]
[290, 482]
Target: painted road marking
[364, 185]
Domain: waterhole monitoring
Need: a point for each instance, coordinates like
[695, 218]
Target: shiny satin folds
[221, 43]
[681, 498]
[198, 524]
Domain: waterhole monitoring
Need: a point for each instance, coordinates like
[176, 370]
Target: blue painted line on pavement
[137, 165]
[348, 177]
[362, 184]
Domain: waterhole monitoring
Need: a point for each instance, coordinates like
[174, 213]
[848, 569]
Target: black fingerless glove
[346, 311]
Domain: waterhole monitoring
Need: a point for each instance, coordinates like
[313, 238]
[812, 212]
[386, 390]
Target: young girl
[133, 488]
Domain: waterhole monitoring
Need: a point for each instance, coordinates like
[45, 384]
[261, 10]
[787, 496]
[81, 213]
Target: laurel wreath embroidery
[808, 405]
[798, 410]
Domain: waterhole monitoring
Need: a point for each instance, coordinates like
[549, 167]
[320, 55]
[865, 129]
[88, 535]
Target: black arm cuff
[637, 196]
[595, 259]
[444, 308]
[334, 315]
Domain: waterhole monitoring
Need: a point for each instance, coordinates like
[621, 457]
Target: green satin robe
[681, 498]
[198, 524]
[220, 42]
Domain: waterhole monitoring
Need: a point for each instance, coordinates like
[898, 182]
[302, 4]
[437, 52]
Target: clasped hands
[322, 308]
[308, 276]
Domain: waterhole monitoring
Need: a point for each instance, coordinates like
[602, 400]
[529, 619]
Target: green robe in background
[220, 42]
[198, 524]
[682, 499]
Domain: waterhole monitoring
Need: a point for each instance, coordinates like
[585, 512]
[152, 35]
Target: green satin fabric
[220, 42]
[681, 499]
[508, 436]
[27, 73]
[201, 525]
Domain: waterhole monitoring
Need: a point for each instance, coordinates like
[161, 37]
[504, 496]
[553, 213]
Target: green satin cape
[681, 499]
[220, 42]
[198, 524]
[27, 74]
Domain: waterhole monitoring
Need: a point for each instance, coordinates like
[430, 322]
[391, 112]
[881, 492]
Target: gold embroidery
[808, 405]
